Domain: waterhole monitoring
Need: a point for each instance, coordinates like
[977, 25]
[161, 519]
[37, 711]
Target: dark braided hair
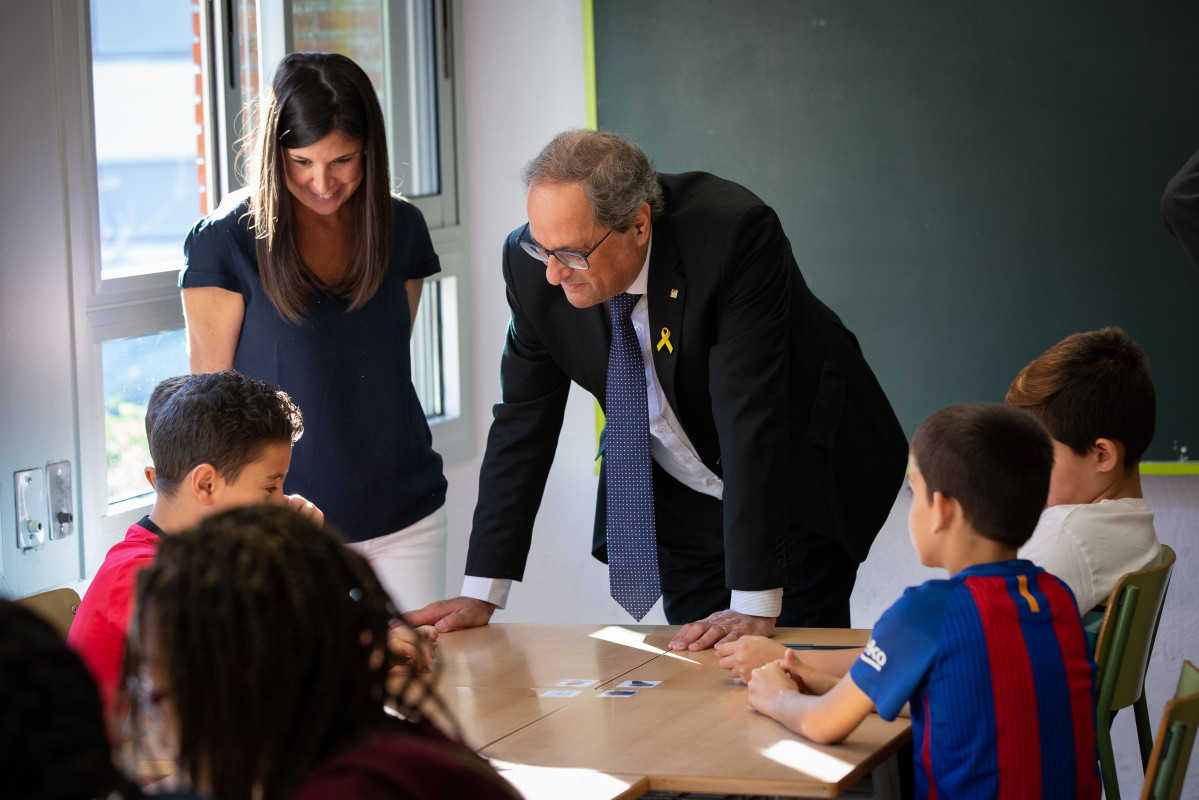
[53, 744]
[274, 638]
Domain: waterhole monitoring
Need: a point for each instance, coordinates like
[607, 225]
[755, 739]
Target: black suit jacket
[770, 387]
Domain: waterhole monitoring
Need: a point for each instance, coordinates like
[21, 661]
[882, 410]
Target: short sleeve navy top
[366, 457]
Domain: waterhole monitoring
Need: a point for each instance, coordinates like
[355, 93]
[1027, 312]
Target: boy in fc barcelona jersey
[991, 662]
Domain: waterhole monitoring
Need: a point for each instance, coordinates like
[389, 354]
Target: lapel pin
[674, 293]
[665, 340]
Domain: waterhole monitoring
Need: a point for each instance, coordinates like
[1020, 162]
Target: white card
[638, 684]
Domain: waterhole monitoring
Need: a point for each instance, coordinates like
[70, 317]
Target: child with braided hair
[261, 643]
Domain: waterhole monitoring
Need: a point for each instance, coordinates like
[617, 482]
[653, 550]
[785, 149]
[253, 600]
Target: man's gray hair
[615, 173]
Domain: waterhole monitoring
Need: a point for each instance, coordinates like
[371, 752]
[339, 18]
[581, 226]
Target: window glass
[148, 105]
[395, 44]
[428, 352]
[132, 368]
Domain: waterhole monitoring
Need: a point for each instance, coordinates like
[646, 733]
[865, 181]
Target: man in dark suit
[776, 457]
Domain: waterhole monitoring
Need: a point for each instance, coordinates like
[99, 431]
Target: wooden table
[693, 732]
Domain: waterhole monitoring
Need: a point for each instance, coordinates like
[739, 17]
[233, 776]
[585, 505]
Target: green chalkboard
[963, 183]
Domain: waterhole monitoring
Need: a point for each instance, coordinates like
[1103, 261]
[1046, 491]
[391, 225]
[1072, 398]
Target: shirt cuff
[766, 603]
[495, 590]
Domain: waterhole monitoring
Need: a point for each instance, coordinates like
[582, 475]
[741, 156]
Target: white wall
[37, 371]
[517, 98]
[524, 83]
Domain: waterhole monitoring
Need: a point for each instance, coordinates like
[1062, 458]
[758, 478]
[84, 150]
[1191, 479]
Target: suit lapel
[666, 294]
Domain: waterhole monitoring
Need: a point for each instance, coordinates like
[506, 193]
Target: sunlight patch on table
[806, 758]
[619, 635]
[555, 782]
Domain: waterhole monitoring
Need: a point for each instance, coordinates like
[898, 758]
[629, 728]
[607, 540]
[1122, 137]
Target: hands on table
[413, 647]
[723, 626]
[746, 654]
[453, 614]
[810, 702]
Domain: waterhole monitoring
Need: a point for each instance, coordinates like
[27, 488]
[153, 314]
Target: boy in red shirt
[218, 441]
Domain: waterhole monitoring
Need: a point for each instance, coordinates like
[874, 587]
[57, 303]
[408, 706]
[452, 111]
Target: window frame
[104, 309]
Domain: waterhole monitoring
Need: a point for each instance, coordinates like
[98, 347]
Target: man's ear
[1108, 454]
[641, 222]
[203, 483]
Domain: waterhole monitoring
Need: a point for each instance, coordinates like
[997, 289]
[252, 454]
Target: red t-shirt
[102, 621]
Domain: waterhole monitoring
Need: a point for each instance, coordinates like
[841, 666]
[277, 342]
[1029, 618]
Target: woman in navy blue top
[310, 279]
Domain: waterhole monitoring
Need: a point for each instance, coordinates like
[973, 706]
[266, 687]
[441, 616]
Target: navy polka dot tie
[632, 546]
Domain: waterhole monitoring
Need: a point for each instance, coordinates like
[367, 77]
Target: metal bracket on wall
[30, 486]
[62, 500]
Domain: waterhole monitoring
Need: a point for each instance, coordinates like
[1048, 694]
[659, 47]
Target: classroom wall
[524, 83]
[517, 98]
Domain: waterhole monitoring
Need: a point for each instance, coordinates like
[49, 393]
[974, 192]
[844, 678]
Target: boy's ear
[202, 481]
[945, 510]
[1108, 454]
[152, 477]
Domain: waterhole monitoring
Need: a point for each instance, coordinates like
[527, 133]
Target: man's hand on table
[453, 614]
[723, 626]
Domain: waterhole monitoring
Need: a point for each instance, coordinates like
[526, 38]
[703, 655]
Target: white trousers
[410, 563]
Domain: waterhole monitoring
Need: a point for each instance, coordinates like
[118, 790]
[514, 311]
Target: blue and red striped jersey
[996, 668]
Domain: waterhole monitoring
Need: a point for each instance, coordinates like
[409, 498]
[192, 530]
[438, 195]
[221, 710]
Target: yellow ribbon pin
[665, 340]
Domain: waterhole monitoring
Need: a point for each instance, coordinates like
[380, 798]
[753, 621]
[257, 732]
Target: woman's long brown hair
[313, 95]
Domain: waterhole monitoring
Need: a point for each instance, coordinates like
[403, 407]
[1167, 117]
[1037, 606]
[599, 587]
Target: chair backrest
[1175, 739]
[1126, 636]
[57, 606]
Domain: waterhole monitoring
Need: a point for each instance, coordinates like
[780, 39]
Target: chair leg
[1140, 711]
[1107, 761]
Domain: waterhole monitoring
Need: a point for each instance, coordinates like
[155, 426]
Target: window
[132, 368]
[142, 181]
[167, 90]
[145, 103]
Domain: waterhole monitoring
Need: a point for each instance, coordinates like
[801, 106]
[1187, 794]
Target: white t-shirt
[1091, 546]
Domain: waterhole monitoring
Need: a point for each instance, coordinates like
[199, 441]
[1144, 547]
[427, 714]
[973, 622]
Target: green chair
[1175, 739]
[1122, 653]
[57, 606]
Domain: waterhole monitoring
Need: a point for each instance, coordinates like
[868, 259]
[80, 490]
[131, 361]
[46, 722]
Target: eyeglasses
[568, 257]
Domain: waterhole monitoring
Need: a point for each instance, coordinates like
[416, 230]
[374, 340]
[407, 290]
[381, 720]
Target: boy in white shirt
[1094, 394]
